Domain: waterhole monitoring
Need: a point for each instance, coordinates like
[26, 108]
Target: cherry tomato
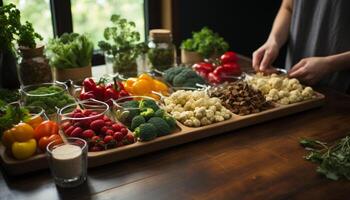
[22, 132]
[44, 141]
[46, 128]
[7, 138]
[228, 57]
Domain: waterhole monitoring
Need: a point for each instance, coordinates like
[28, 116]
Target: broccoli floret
[170, 73]
[187, 78]
[171, 122]
[159, 113]
[147, 113]
[130, 104]
[132, 107]
[148, 103]
[161, 126]
[146, 132]
[137, 121]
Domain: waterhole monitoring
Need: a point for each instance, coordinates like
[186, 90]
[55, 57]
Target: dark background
[245, 25]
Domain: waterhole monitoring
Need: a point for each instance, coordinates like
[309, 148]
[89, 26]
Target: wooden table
[263, 161]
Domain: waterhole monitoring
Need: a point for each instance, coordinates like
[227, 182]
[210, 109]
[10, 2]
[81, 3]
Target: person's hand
[310, 70]
[265, 56]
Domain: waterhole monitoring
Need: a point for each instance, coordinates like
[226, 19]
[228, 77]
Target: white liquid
[67, 161]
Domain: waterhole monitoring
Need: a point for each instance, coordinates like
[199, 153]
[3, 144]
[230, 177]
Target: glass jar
[34, 66]
[162, 52]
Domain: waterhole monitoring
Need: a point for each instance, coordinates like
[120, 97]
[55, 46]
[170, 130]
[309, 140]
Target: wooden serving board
[183, 135]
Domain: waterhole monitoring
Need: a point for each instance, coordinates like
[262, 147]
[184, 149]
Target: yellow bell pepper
[24, 150]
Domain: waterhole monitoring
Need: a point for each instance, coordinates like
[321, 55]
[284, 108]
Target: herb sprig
[206, 43]
[333, 160]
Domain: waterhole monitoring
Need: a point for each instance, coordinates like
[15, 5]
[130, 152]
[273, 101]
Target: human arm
[268, 52]
[311, 70]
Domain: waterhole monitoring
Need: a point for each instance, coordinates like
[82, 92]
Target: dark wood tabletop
[264, 161]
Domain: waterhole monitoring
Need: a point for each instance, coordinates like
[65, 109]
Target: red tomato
[228, 57]
[44, 141]
[46, 128]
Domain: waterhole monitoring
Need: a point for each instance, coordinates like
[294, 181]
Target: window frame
[62, 21]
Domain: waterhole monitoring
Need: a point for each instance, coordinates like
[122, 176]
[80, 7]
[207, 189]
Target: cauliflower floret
[188, 122]
[283, 93]
[176, 115]
[209, 113]
[219, 118]
[212, 108]
[284, 101]
[205, 121]
[195, 121]
[276, 82]
[307, 93]
[273, 94]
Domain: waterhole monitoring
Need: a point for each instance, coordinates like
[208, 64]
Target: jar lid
[161, 35]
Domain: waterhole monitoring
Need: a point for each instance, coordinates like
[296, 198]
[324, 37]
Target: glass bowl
[49, 96]
[93, 121]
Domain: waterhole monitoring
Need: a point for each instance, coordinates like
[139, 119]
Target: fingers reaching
[257, 57]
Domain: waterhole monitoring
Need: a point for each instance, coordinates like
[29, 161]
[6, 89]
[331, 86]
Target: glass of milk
[68, 162]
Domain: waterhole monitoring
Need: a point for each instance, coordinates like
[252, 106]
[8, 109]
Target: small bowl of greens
[49, 96]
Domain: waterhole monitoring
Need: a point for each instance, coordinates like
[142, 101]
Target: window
[38, 13]
[93, 16]
[53, 17]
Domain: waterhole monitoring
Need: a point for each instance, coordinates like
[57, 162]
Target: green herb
[9, 96]
[11, 29]
[52, 97]
[11, 115]
[334, 160]
[27, 36]
[206, 43]
[122, 42]
[70, 51]
[10, 20]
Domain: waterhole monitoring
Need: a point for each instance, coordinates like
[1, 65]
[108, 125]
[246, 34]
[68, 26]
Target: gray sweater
[320, 28]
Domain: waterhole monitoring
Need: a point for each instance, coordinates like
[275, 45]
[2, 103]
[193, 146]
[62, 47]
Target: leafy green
[11, 115]
[9, 96]
[334, 160]
[51, 98]
[71, 50]
[206, 43]
[121, 41]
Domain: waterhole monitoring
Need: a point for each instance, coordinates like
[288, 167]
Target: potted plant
[70, 57]
[121, 46]
[34, 66]
[10, 23]
[203, 44]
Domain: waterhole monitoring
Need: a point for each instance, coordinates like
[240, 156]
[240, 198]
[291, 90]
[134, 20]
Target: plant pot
[77, 75]
[190, 57]
[34, 66]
